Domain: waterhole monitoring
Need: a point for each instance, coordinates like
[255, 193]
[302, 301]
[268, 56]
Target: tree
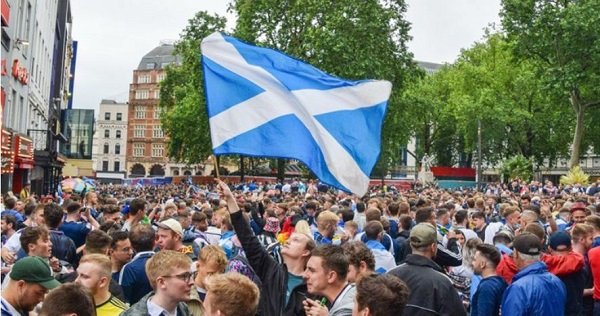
[518, 167]
[184, 117]
[353, 39]
[563, 37]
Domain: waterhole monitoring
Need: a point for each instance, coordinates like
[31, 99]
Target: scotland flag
[264, 103]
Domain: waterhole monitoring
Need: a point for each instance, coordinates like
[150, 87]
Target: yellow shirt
[112, 307]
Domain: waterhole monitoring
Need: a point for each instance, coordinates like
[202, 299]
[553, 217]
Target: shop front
[8, 160]
[23, 162]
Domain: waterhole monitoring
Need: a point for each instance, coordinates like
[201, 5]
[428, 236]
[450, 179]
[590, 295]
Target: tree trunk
[242, 169]
[579, 130]
[280, 169]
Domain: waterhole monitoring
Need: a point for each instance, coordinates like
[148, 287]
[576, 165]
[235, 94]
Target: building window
[138, 131]
[141, 94]
[117, 149]
[157, 94]
[160, 77]
[106, 148]
[119, 116]
[117, 166]
[143, 79]
[140, 112]
[157, 112]
[158, 150]
[118, 135]
[138, 150]
[105, 165]
[157, 132]
[106, 133]
[107, 116]
[150, 66]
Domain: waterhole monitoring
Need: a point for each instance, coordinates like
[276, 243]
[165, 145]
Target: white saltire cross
[305, 104]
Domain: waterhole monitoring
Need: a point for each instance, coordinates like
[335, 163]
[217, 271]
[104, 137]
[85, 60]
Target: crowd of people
[302, 248]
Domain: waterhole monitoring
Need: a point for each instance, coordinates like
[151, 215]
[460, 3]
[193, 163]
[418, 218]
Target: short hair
[53, 215]
[478, 214]
[347, 215]
[214, 254]
[235, 294]
[373, 214]
[10, 203]
[360, 207]
[30, 235]
[404, 208]
[29, 209]
[224, 213]
[471, 202]
[351, 224]
[423, 214]
[441, 212]
[163, 263]
[102, 261]
[73, 207]
[116, 237]
[383, 294]
[580, 231]
[405, 222]
[137, 205]
[111, 209]
[393, 208]
[373, 229]
[333, 258]
[311, 205]
[198, 217]
[10, 219]
[460, 216]
[142, 237]
[357, 251]
[67, 299]
[508, 211]
[594, 221]
[531, 215]
[490, 253]
[97, 241]
[327, 217]
[535, 229]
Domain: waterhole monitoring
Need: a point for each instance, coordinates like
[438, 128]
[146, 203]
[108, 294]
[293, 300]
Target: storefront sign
[8, 156]
[24, 147]
[20, 73]
[5, 13]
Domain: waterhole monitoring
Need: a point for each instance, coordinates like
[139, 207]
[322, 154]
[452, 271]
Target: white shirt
[156, 310]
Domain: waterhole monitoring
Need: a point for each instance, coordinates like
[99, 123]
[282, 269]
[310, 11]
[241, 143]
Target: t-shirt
[293, 281]
[112, 307]
[77, 231]
[488, 298]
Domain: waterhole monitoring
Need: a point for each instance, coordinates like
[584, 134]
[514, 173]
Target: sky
[113, 36]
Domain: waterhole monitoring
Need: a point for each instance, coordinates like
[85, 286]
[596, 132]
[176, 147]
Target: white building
[110, 141]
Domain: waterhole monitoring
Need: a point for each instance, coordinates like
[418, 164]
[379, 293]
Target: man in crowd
[594, 259]
[172, 281]
[9, 225]
[94, 273]
[560, 245]
[461, 222]
[73, 226]
[361, 259]
[133, 278]
[68, 300]
[283, 288]
[480, 224]
[170, 236]
[390, 298]
[120, 252]
[325, 276]
[534, 291]
[430, 289]
[488, 295]
[91, 202]
[10, 209]
[384, 261]
[212, 261]
[230, 294]
[136, 212]
[30, 279]
[326, 227]
[63, 248]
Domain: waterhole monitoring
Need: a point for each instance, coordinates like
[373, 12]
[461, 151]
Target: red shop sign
[20, 73]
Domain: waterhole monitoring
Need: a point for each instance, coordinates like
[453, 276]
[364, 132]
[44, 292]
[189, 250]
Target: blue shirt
[133, 278]
[488, 297]
[20, 218]
[77, 231]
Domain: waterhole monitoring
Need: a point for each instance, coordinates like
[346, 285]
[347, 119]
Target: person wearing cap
[560, 245]
[431, 291]
[534, 291]
[30, 280]
[170, 236]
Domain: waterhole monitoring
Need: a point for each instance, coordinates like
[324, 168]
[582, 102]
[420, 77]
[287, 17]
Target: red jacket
[594, 257]
[557, 265]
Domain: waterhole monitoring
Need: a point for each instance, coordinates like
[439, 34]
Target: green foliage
[184, 117]
[518, 167]
[575, 176]
[563, 40]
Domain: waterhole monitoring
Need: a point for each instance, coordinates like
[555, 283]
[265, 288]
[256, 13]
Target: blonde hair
[101, 261]
[234, 294]
[163, 263]
[580, 231]
[302, 227]
[327, 217]
[214, 254]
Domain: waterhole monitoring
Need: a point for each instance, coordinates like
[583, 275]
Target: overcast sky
[114, 35]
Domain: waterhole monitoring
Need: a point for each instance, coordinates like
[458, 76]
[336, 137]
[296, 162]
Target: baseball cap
[578, 206]
[423, 234]
[527, 243]
[33, 270]
[560, 241]
[173, 225]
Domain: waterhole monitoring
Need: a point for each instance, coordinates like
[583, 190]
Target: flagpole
[216, 164]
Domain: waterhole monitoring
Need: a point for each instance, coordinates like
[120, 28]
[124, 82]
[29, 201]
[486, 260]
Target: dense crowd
[302, 248]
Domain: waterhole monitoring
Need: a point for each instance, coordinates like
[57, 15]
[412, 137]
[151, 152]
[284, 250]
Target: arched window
[117, 149]
[106, 148]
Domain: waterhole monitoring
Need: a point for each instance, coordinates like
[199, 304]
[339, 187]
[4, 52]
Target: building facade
[36, 46]
[146, 142]
[78, 128]
[110, 142]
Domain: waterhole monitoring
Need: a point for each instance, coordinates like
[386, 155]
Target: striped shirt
[112, 307]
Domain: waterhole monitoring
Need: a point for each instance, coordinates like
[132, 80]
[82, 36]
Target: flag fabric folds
[264, 103]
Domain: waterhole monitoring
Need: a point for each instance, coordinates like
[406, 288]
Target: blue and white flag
[264, 103]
